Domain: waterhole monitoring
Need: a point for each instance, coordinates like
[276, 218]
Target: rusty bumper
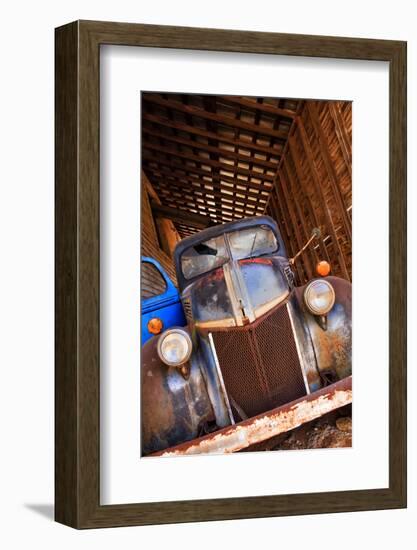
[270, 424]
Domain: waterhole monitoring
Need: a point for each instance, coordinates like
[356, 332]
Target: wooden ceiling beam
[252, 190]
[210, 149]
[222, 119]
[221, 215]
[264, 107]
[165, 122]
[241, 206]
[202, 161]
[168, 183]
[218, 163]
[168, 188]
[213, 202]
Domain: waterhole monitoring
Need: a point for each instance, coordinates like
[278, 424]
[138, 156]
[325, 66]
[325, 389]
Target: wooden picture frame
[77, 406]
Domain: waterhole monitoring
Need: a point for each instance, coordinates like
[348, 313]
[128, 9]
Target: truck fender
[175, 408]
[332, 343]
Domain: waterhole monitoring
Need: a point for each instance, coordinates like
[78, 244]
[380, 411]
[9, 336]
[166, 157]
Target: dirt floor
[329, 431]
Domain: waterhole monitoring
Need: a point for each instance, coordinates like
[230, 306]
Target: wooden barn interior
[208, 160]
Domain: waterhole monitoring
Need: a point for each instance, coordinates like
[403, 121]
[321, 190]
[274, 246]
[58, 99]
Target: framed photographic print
[230, 274]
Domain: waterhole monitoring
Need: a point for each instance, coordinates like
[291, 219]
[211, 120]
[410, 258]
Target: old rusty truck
[259, 355]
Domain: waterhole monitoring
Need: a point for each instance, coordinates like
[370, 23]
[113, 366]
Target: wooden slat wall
[313, 187]
[149, 244]
[152, 282]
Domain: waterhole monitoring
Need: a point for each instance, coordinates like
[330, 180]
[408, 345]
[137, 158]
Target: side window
[152, 282]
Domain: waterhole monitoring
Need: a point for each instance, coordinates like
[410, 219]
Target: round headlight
[319, 297]
[174, 347]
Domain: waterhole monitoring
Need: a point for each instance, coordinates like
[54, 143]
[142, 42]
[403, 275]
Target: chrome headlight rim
[308, 303]
[184, 334]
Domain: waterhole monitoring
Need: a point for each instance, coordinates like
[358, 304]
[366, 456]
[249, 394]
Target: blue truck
[161, 302]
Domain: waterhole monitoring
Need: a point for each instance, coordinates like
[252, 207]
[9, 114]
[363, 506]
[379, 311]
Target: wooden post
[166, 229]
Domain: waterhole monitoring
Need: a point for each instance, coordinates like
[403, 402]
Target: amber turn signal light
[323, 268]
[155, 325]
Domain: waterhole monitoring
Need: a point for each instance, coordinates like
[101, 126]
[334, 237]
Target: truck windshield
[213, 253]
[252, 242]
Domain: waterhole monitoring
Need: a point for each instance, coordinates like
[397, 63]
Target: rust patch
[264, 426]
[155, 419]
[263, 261]
[333, 348]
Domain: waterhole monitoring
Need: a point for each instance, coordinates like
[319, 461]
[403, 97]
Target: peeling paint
[270, 424]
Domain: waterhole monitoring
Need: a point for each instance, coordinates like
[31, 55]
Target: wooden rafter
[222, 119]
[264, 107]
[221, 137]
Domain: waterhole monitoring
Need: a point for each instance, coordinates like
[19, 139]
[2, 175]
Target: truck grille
[186, 304]
[260, 364]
